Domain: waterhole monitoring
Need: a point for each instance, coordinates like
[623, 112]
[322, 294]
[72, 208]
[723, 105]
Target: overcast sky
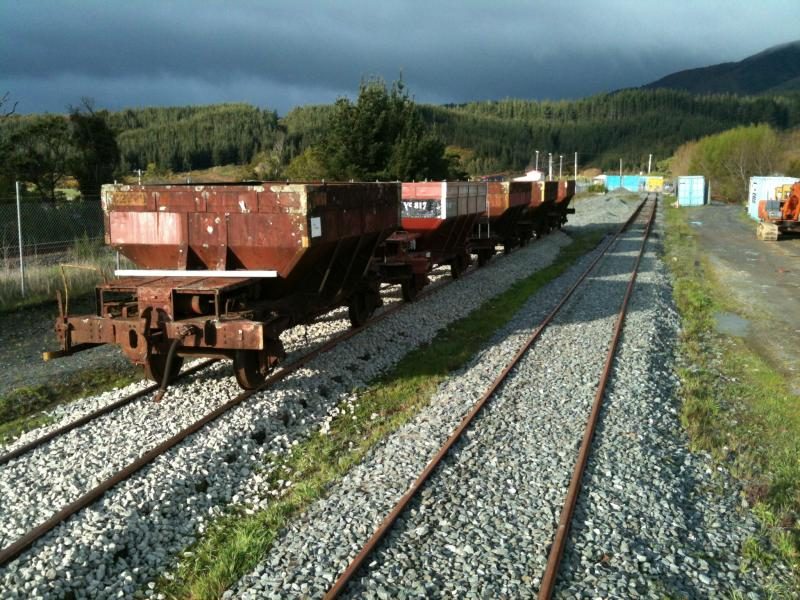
[280, 54]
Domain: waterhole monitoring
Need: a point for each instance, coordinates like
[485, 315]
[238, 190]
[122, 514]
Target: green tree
[381, 136]
[96, 153]
[308, 166]
[41, 152]
[730, 158]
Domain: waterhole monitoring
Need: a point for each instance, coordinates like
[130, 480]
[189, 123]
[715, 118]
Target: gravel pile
[649, 524]
[137, 531]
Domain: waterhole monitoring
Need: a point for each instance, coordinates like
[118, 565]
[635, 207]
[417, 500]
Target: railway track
[643, 217]
[87, 498]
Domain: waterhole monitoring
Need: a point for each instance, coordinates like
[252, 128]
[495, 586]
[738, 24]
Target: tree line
[381, 134]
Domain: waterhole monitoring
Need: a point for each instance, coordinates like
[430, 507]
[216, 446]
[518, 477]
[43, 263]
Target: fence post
[19, 238]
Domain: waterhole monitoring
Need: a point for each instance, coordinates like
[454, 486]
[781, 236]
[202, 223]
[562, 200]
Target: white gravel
[137, 531]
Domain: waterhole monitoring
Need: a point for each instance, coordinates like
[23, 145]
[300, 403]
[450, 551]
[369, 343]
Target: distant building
[533, 175]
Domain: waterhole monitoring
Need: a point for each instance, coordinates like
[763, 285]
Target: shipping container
[654, 184]
[632, 183]
[692, 190]
[764, 188]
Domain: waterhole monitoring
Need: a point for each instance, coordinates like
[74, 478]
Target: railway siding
[484, 522]
[133, 534]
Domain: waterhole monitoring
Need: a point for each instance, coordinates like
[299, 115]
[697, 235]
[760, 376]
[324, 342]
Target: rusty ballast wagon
[224, 269]
[438, 219]
[560, 210]
[506, 205]
[535, 218]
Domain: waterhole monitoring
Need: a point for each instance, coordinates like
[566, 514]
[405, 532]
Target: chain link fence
[37, 237]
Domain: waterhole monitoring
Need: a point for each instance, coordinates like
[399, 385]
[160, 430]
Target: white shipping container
[692, 190]
[763, 188]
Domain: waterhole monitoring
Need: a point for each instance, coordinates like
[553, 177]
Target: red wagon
[437, 221]
[224, 269]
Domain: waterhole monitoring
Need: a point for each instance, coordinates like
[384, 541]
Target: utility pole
[620, 172]
[139, 172]
[560, 165]
[576, 166]
[550, 166]
[649, 163]
[537, 160]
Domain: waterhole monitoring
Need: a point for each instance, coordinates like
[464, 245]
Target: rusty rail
[25, 448]
[352, 569]
[13, 550]
[557, 548]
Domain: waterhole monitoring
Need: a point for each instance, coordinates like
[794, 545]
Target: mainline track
[551, 571]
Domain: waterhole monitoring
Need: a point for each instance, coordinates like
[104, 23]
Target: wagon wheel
[409, 289]
[457, 266]
[155, 365]
[358, 309]
[250, 369]
[484, 256]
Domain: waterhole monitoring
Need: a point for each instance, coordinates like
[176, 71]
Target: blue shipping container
[632, 183]
[692, 190]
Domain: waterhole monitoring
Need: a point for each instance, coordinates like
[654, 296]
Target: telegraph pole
[537, 160]
[649, 163]
[576, 166]
[560, 165]
[550, 166]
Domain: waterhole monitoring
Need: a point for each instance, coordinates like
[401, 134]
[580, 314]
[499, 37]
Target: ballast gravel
[653, 519]
[134, 534]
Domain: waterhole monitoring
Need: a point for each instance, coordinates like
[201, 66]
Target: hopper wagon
[506, 204]
[560, 210]
[438, 219]
[536, 220]
[223, 269]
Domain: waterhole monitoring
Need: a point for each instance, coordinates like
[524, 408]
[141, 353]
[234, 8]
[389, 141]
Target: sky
[279, 54]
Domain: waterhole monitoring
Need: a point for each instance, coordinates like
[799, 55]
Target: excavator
[776, 217]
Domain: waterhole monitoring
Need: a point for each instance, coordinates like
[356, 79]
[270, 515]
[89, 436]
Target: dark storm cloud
[280, 54]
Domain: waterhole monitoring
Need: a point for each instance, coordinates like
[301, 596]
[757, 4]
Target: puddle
[731, 324]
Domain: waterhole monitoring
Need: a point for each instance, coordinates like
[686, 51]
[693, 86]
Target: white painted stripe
[180, 273]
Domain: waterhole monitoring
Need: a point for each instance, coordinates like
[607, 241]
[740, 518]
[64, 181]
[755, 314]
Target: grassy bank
[23, 409]
[234, 544]
[88, 262]
[736, 405]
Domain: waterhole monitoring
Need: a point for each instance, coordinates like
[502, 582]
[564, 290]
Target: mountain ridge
[774, 70]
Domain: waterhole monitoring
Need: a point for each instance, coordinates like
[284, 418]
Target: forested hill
[630, 124]
[775, 69]
[489, 136]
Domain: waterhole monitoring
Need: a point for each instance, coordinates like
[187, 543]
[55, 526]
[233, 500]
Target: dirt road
[762, 277]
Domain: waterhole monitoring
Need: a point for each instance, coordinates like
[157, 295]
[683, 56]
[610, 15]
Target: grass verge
[235, 543]
[735, 405]
[24, 408]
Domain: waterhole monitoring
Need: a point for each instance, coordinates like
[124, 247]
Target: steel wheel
[155, 365]
[249, 369]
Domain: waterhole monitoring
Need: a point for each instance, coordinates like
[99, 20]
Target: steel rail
[559, 542]
[87, 418]
[352, 569]
[32, 445]
[14, 549]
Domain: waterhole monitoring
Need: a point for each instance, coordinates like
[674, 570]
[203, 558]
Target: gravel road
[136, 532]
